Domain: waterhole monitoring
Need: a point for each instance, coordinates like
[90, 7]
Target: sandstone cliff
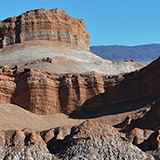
[45, 93]
[53, 25]
[40, 34]
[46, 77]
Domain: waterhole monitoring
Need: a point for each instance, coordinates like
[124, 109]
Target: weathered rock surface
[41, 24]
[148, 120]
[137, 135]
[143, 84]
[45, 90]
[90, 140]
[23, 144]
[36, 35]
[45, 93]
[146, 140]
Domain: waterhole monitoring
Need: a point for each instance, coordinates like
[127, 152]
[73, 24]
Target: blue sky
[109, 22]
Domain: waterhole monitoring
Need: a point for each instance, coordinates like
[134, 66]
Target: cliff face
[141, 84]
[45, 93]
[41, 24]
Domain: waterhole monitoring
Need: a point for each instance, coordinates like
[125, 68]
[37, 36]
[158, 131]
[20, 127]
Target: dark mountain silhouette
[142, 53]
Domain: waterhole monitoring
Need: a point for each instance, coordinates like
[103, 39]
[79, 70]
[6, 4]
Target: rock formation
[148, 120]
[45, 93]
[49, 78]
[141, 84]
[53, 25]
[25, 144]
[66, 58]
[89, 140]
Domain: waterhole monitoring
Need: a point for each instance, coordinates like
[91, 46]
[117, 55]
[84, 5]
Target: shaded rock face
[146, 140]
[143, 131]
[41, 24]
[140, 84]
[138, 136]
[149, 120]
[90, 140]
[45, 93]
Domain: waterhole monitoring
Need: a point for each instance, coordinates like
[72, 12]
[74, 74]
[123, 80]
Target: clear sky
[108, 22]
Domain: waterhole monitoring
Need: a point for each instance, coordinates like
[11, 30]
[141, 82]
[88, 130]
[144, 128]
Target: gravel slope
[66, 58]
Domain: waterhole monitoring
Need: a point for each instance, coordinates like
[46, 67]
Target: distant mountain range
[142, 53]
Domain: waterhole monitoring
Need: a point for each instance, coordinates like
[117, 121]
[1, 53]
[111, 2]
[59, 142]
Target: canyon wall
[41, 24]
[45, 93]
[140, 84]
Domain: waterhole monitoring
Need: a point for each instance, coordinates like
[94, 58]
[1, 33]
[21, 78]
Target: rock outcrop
[92, 140]
[137, 85]
[148, 120]
[65, 58]
[45, 93]
[46, 77]
[25, 144]
[41, 24]
[89, 140]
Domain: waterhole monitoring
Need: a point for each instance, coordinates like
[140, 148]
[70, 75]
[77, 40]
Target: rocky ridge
[47, 93]
[141, 84]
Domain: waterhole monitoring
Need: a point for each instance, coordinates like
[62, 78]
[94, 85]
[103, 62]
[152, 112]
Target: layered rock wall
[45, 93]
[41, 24]
[140, 84]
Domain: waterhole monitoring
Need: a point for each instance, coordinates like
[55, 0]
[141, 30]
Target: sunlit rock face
[41, 24]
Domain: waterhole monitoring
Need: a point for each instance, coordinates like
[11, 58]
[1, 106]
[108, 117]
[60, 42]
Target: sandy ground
[15, 117]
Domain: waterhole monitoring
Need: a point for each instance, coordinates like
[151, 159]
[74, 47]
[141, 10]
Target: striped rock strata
[41, 24]
[46, 93]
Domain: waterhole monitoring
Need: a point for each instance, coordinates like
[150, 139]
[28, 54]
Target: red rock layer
[141, 84]
[45, 93]
[41, 24]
